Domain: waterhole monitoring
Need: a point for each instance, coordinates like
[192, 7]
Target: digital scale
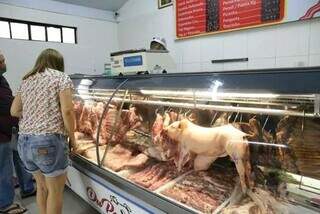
[142, 61]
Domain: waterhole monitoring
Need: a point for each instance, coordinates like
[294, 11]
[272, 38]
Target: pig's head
[175, 130]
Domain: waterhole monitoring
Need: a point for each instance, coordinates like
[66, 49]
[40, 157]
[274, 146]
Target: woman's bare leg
[42, 192]
[55, 187]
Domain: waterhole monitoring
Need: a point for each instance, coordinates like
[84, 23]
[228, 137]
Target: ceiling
[111, 5]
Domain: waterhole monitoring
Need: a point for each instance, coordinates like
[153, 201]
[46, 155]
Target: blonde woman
[44, 105]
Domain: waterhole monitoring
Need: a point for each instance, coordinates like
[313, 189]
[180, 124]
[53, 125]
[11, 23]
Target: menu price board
[198, 17]
[191, 17]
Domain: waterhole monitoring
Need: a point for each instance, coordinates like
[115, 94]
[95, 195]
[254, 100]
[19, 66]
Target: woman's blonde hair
[49, 58]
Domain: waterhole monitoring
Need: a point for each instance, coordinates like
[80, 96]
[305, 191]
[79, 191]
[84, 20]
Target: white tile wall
[314, 60]
[292, 39]
[292, 61]
[259, 63]
[190, 50]
[235, 66]
[235, 45]
[191, 67]
[315, 37]
[208, 66]
[286, 45]
[262, 42]
[96, 39]
[211, 48]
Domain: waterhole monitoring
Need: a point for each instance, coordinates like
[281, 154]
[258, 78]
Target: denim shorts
[47, 153]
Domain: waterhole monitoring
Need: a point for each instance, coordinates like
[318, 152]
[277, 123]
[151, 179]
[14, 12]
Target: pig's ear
[183, 124]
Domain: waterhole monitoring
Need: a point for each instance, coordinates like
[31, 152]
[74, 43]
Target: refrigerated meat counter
[214, 142]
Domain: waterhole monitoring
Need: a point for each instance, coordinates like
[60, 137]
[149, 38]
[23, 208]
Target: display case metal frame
[290, 84]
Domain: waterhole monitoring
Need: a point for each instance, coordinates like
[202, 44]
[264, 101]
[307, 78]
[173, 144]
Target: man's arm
[16, 107]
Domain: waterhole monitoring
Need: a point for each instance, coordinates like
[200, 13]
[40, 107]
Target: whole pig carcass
[211, 143]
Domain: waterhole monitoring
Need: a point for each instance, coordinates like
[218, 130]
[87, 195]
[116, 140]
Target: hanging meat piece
[97, 111]
[129, 119]
[260, 154]
[157, 129]
[135, 120]
[200, 117]
[302, 136]
[163, 148]
[107, 126]
[173, 116]
[221, 120]
[77, 107]
[85, 125]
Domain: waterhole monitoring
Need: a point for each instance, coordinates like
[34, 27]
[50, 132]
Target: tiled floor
[72, 204]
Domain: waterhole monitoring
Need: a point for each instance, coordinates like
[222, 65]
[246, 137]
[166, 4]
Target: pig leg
[202, 162]
[241, 171]
[184, 157]
[249, 181]
[238, 150]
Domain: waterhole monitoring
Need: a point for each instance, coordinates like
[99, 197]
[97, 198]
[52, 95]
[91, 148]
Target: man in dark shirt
[7, 155]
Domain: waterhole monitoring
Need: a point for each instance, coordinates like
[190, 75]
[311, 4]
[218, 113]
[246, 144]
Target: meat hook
[214, 118]
[178, 114]
[303, 123]
[235, 118]
[168, 110]
[187, 113]
[265, 123]
[156, 111]
[229, 117]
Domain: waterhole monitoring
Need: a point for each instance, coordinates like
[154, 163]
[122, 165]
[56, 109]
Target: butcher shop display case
[214, 142]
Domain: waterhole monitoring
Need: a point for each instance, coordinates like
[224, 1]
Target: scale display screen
[132, 61]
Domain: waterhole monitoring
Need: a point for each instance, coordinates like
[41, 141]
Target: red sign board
[197, 17]
[240, 14]
[191, 17]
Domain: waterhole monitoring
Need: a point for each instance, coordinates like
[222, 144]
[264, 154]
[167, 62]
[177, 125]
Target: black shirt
[6, 120]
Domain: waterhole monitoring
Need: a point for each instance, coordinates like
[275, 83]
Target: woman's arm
[16, 106]
[68, 113]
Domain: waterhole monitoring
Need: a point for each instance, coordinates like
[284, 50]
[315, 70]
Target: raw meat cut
[84, 145]
[91, 153]
[119, 157]
[209, 144]
[204, 190]
[82, 136]
[156, 175]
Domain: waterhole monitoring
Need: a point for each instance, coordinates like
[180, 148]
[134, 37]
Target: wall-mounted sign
[201, 17]
[164, 3]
